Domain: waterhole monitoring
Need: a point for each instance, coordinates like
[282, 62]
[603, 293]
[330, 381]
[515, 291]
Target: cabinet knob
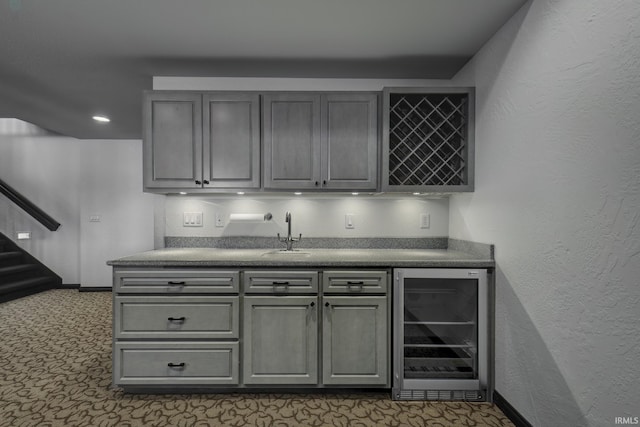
[324, 182]
[326, 304]
[317, 183]
[312, 304]
[198, 182]
[205, 181]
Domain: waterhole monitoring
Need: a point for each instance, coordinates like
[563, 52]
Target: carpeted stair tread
[20, 285]
[9, 255]
[18, 268]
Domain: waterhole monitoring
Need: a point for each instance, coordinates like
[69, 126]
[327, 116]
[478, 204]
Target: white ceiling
[62, 61]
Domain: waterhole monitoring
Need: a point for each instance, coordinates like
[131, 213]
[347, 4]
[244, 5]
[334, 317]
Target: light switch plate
[192, 219]
[425, 220]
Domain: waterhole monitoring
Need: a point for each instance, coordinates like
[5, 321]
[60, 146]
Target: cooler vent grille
[463, 395]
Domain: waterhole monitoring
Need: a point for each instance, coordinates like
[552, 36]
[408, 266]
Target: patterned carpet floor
[55, 353]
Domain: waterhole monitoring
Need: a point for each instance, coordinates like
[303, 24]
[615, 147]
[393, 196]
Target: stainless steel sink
[283, 253]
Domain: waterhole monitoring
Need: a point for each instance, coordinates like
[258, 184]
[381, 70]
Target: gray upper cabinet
[172, 135]
[231, 134]
[291, 124]
[428, 139]
[195, 141]
[320, 141]
[350, 141]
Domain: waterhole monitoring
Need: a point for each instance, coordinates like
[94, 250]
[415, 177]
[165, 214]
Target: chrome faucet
[289, 240]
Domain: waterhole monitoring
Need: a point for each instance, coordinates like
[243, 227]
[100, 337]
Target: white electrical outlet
[219, 220]
[348, 221]
[192, 219]
[425, 220]
[94, 218]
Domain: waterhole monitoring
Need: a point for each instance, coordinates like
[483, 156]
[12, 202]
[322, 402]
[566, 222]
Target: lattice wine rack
[428, 139]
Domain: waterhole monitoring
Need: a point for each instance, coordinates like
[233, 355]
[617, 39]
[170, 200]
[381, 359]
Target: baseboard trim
[68, 286]
[512, 413]
[96, 289]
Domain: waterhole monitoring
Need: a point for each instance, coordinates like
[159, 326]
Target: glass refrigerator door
[440, 323]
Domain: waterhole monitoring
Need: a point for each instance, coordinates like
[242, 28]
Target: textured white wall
[311, 216]
[72, 179]
[558, 192]
[111, 187]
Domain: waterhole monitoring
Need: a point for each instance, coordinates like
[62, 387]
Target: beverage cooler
[441, 334]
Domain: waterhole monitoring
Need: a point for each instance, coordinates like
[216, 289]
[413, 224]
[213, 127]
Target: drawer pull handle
[280, 283]
[355, 283]
[176, 365]
[177, 283]
[176, 319]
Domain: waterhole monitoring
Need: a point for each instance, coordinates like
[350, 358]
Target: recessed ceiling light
[183, 192]
[354, 194]
[240, 193]
[416, 194]
[297, 193]
[101, 119]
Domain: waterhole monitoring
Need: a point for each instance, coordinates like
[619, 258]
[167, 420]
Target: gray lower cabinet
[280, 340]
[176, 327]
[223, 328]
[355, 340]
[175, 363]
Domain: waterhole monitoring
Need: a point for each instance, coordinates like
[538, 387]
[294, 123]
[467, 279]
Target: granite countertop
[305, 258]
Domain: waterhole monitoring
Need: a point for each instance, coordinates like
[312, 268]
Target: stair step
[21, 285]
[18, 268]
[10, 258]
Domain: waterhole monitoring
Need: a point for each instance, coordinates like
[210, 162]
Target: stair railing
[29, 207]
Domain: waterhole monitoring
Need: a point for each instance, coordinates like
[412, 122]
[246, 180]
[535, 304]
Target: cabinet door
[280, 340]
[291, 141]
[350, 141]
[231, 134]
[172, 137]
[355, 341]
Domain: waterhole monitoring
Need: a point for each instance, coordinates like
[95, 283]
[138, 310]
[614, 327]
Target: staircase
[21, 274]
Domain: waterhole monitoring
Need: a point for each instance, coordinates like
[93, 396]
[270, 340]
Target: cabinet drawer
[354, 282]
[175, 363]
[176, 281]
[176, 317]
[281, 282]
